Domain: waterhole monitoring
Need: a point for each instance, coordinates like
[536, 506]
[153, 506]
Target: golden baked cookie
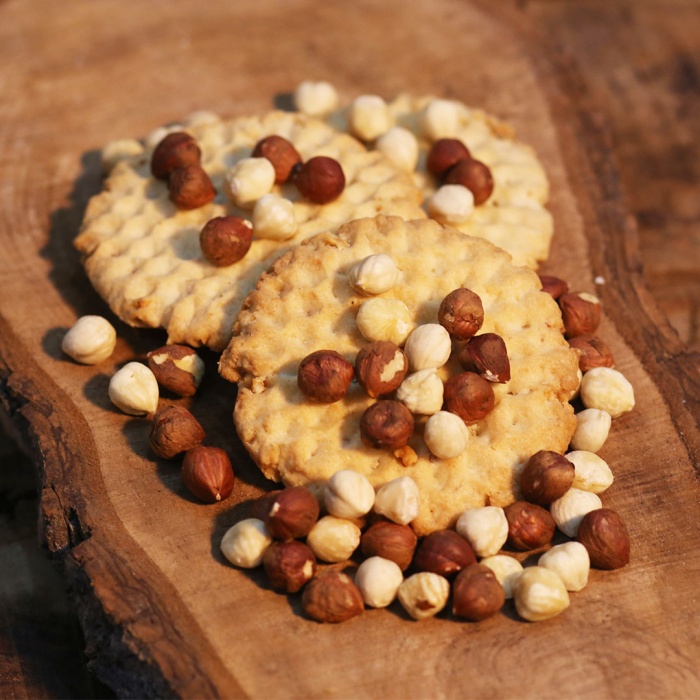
[305, 303]
[143, 255]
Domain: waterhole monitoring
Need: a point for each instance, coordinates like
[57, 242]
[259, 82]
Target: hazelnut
[190, 187]
[400, 146]
[225, 240]
[568, 510]
[177, 368]
[369, 117]
[134, 389]
[281, 153]
[443, 552]
[315, 98]
[604, 535]
[486, 354]
[424, 594]
[474, 175]
[443, 154]
[469, 396]
[451, 204]
[260, 506]
[380, 367]
[384, 319]
[348, 494]
[507, 570]
[274, 218]
[540, 594]
[250, 179]
[428, 346]
[592, 429]
[374, 274]
[207, 473]
[390, 541]
[477, 593]
[461, 313]
[320, 180]
[174, 430]
[90, 340]
[324, 376]
[439, 119]
[571, 561]
[580, 312]
[332, 597]
[529, 526]
[422, 392]
[245, 543]
[591, 472]
[554, 286]
[333, 539]
[378, 580]
[485, 528]
[446, 435]
[386, 424]
[398, 500]
[546, 476]
[608, 390]
[292, 513]
[289, 565]
[176, 150]
[593, 352]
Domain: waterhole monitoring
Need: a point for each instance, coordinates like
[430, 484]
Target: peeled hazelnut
[439, 118]
[384, 319]
[292, 513]
[245, 543]
[176, 150]
[554, 286]
[248, 180]
[315, 97]
[486, 354]
[474, 175]
[461, 313]
[571, 561]
[477, 593]
[424, 594]
[274, 218]
[507, 570]
[369, 117]
[568, 511]
[324, 376]
[592, 429]
[207, 473]
[485, 528]
[451, 204]
[591, 472]
[174, 430]
[90, 340]
[320, 179]
[289, 565]
[378, 580]
[540, 594]
[446, 435]
[593, 352]
[134, 389]
[386, 424]
[380, 367]
[422, 392]
[608, 390]
[580, 312]
[400, 146]
[348, 494]
[190, 187]
[428, 346]
[225, 240]
[398, 500]
[177, 368]
[334, 539]
[546, 476]
[281, 153]
[604, 535]
[529, 526]
[332, 597]
[443, 552]
[443, 154]
[390, 541]
[374, 274]
[469, 396]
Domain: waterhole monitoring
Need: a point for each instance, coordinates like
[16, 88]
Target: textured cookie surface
[143, 255]
[305, 303]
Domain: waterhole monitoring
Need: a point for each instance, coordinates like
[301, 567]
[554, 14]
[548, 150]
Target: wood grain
[162, 613]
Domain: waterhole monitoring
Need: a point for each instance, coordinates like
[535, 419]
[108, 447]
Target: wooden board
[162, 613]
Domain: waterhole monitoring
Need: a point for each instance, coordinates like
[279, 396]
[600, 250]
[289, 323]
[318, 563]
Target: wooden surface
[140, 557]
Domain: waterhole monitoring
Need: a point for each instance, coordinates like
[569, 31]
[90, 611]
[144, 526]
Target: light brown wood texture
[162, 612]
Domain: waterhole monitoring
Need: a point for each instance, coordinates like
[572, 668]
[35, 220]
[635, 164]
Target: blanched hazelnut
[428, 347]
[374, 274]
[547, 475]
[529, 526]
[608, 390]
[207, 473]
[540, 594]
[474, 175]
[424, 594]
[189, 187]
[174, 430]
[593, 352]
[348, 494]
[384, 319]
[134, 389]
[568, 510]
[580, 313]
[439, 119]
[400, 146]
[422, 392]
[333, 539]
[315, 98]
[250, 179]
[591, 473]
[273, 218]
[320, 179]
[398, 500]
[369, 117]
[485, 528]
[443, 154]
[443, 552]
[291, 513]
[554, 286]
[386, 424]
[175, 150]
[90, 340]
[451, 204]
[592, 429]
[445, 435]
[571, 561]
[324, 376]
[245, 543]
[378, 580]
[477, 593]
[380, 367]
[390, 541]
[332, 597]
[177, 368]
[281, 153]
[461, 313]
[469, 396]
[507, 570]
[289, 565]
[604, 535]
[487, 355]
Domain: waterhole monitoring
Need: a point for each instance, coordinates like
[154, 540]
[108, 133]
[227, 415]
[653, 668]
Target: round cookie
[305, 303]
[143, 255]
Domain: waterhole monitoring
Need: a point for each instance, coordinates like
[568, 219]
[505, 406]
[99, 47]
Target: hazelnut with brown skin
[324, 376]
[174, 430]
[474, 175]
[332, 596]
[443, 552]
[554, 286]
[207, 473]
[380, 367]
[580, 313]
[469, 396]
[604, 535]
[292, 513]
[387, 424]
[486, 354]
[261, 505]
[529, 526]
[320, 179]
[593, 352]
[174, 151]
[461, 313]
[177, 368]
[190, 187]
[281, 153]
[445, 153]
[546, 477]
[289, 565]
[390, 541]
[476, 593]
[225, 240]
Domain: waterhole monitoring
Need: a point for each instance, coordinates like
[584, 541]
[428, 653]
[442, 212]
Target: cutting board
[162, 612]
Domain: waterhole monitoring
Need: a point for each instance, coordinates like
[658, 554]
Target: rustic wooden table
[641, 60]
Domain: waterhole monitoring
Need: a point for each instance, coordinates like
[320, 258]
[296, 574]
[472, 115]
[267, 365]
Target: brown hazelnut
[604, 535]
[593, 352]
[387, 424]
[289, 565]
[281, 153]
[380, 367]
[332, 596]
[390, 541]
[443, 552]
[476, 593]
[445, 153]
[207, 473]
[486, 354]
[174, 430]
[461, 313]
[324, 376]
[177, 368]
[190, 187]
[174, 151]
[225, 240]
[469, 395]
[320, 179]
[292, 513]
[529, 526]
[260, 506]
[554, 286]
[546, 477]
[474, 175]
[580, 313]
